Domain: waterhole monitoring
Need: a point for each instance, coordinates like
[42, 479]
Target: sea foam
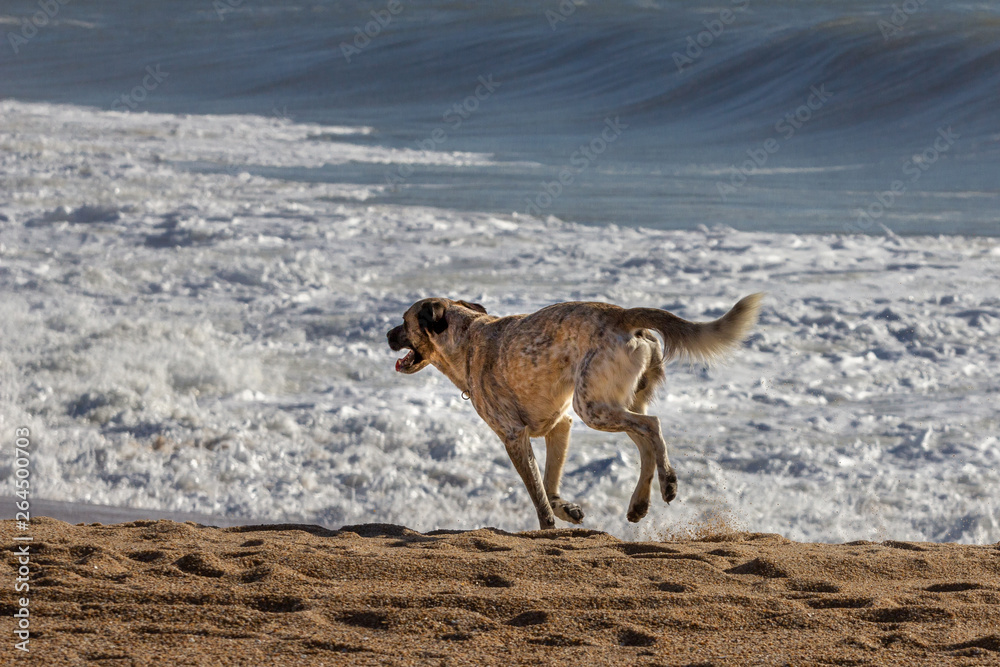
[215, 342]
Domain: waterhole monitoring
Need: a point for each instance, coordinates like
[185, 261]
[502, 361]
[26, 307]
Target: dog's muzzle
[398, 340]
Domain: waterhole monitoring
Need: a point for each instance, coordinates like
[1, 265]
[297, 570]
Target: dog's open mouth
[411, 359]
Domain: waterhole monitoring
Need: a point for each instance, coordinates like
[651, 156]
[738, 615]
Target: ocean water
[212, 212]
[695, 92]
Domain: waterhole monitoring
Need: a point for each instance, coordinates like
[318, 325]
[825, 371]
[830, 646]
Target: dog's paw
[567, 511]
[638, 511]
[668, 485]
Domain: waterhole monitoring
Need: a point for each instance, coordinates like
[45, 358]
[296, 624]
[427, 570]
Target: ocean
[212, 211]
[696, 92]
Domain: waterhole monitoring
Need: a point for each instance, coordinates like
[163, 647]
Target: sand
[167, 593]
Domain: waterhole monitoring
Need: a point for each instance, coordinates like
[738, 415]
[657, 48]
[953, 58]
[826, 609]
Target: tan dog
[523, 372]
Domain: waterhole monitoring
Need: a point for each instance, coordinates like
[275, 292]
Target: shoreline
[162, 592]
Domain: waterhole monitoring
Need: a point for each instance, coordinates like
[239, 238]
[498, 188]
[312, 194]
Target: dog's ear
[431, 317]
[473, 306]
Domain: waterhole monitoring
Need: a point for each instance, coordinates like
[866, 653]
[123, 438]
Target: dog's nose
[393, 338]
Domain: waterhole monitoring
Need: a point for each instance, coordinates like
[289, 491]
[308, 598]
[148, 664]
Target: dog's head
[427, 326]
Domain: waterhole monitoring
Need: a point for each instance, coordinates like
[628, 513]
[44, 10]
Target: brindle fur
[523, 372]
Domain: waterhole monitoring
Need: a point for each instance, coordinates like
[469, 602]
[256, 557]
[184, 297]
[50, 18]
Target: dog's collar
[468, 373]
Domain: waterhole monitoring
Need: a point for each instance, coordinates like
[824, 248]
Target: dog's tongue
[405, 362]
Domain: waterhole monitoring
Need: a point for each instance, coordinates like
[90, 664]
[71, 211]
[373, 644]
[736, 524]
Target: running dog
[522, 373]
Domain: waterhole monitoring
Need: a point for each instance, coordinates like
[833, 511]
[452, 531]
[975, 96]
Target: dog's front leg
[556, 446]
[518, 446]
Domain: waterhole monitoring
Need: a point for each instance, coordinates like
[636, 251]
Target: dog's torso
[530, 364]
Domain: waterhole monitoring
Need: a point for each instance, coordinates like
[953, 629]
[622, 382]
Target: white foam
[216, 343]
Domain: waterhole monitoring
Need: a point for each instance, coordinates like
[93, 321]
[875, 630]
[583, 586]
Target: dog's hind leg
[608, 382]
[518, 446]
[556, 446]
[651, 377]
[652, 450]
[644, 431]
[639, 504]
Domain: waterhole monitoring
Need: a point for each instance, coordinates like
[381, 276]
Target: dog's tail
[698, 341]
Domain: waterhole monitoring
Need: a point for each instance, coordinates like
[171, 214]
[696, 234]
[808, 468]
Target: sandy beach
[168, 593]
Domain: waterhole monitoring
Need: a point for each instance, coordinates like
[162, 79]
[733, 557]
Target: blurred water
[717, 118]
